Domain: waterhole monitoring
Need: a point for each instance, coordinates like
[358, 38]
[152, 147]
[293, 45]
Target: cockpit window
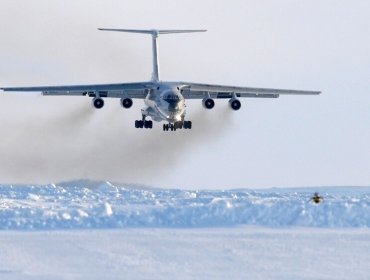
[171, 97]
[172, 100]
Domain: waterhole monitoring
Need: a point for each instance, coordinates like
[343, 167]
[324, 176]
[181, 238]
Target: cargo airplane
[165, 101]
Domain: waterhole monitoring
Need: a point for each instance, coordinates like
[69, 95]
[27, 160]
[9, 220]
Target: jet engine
[208, 103]
[98, 102]
[235, 104]
[126, 103]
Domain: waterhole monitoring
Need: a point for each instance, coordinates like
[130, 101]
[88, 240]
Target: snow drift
[84, 205]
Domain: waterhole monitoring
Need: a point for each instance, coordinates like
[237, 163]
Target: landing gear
[139, 124]
[170, 126]
[187, 124]
[167, 127]
[177, 125]
[143, 124]
[148, 124]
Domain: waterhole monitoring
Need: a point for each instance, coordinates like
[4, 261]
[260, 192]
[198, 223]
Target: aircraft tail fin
[154, 33]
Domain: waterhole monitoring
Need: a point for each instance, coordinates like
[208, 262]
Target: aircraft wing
[199, 91]
[125, 90]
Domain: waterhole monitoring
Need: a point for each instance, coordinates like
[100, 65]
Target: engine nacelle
[98, 103]
[208, 103]
[235, 104]
[126, 103]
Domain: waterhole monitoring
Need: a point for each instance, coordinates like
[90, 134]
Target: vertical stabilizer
[155, 34]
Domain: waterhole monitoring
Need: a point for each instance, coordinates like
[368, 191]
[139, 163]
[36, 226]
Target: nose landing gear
[167, 127]
[177, 125]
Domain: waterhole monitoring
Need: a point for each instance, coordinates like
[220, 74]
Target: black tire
[190, 125]
[148, 124]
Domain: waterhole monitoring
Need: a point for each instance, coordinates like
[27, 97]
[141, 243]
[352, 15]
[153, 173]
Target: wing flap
[198, 91]
[189, 94]
[131, 90]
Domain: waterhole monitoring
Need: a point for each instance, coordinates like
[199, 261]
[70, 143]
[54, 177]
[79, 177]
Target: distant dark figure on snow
[317, 198]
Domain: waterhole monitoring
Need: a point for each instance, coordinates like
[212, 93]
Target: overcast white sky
[290, 141]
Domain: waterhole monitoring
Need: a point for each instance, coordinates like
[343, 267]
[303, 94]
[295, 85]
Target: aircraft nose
[173, 116]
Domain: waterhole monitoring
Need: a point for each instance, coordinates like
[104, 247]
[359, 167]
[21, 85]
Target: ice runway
[211, 253]
[100, 230]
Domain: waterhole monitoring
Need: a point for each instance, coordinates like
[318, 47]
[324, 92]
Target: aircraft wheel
[148, 124]
[179, 125]
[187, 124]
[139, 124]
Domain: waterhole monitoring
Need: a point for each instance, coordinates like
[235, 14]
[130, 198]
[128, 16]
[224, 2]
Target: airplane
[165, 101]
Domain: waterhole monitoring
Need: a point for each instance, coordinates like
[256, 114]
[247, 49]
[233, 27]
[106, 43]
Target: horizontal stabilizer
[153, 31]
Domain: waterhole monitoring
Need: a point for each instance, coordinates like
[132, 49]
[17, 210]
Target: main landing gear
[166, 127]
[143, 123]
[177, 125]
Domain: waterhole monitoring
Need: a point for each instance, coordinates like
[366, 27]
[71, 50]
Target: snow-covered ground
[93, 205]
[100, 230]
[208, 253]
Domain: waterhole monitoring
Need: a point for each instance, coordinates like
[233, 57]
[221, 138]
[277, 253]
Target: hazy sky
[290, 141]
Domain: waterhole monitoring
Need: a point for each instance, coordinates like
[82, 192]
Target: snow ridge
[85, 205]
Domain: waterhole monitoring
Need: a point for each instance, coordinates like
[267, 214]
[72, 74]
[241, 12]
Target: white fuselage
[165, 103]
